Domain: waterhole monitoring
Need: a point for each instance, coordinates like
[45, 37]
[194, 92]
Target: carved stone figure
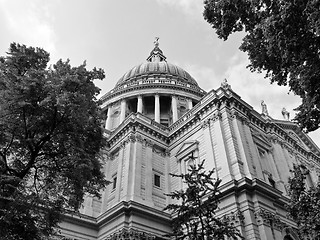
[264, 108]
[285, 114]
[225, 84]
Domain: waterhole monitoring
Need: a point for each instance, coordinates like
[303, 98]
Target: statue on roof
[285, 114]
[225, 84]
[264, 108]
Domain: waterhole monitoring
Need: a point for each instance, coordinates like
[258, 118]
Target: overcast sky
[116, 35]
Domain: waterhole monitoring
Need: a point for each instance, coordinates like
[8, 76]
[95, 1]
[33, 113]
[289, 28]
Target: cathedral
[156, 117]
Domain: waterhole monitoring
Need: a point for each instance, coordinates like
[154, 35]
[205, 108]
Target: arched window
[289, 234]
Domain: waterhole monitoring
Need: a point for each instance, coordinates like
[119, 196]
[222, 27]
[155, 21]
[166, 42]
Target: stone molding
[130, 234]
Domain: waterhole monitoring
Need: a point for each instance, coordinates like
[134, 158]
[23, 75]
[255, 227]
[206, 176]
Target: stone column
[108, 122]
[123, 110]
[190, 104]
[174, 108]
[157, 108]
[140, 104]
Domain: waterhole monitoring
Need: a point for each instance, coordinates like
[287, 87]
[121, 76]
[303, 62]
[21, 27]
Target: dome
[159, 69]
[155, 74]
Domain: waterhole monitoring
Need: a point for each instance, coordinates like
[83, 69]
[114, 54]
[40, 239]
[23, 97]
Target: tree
[194, 212]
[304, 206]
[283, 39]
[50, 141]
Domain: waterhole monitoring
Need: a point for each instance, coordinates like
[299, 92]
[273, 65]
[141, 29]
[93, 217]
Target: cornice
[130, 207]
[178, 86]
[80, 219]
[252, 186]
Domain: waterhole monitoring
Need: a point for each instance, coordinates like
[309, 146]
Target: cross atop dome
[156, 54]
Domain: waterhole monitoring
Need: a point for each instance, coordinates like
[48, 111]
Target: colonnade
[123, 106]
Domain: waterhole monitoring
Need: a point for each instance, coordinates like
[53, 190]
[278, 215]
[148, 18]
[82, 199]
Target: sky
[116, 35]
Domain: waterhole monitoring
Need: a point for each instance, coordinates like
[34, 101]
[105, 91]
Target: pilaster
[220, 151]
[252, 151]
[281, 162]
[231, 148]
[243, 161]
[276, 173]
[210, 162]
[128, 174]
[149, 173]
[121, 162]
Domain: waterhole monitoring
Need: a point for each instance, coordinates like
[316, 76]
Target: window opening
[114, 184]
[157, 180]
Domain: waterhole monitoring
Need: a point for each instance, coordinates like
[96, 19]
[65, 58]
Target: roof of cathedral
[156, 65]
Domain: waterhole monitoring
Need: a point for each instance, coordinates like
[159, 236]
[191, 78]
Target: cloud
[253, 88]
[29, 22]
[191, 7]
[206, 77]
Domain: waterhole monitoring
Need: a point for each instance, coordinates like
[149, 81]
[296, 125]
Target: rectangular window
[114, 184]
[157, 180]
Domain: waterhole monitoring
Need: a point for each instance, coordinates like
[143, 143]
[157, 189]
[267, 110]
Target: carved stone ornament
[216, 117]
[205, 123]
[123, 144]
[139, 138]
[113, 156]
[167, 152]
[132, 138]
[148, 143]
[235, 218]
[130, 234]
[269, 218]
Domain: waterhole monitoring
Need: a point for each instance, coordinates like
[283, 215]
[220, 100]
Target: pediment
[297, 139]
[301, 138]
[186, 148]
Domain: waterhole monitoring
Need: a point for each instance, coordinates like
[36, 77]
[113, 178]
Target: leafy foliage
[283, 39]
[304, 205]
[194, 212]
[50, 141]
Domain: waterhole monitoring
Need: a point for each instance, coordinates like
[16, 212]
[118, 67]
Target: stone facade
[156, 117]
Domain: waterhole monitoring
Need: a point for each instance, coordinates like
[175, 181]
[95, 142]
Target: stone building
[156, 117]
